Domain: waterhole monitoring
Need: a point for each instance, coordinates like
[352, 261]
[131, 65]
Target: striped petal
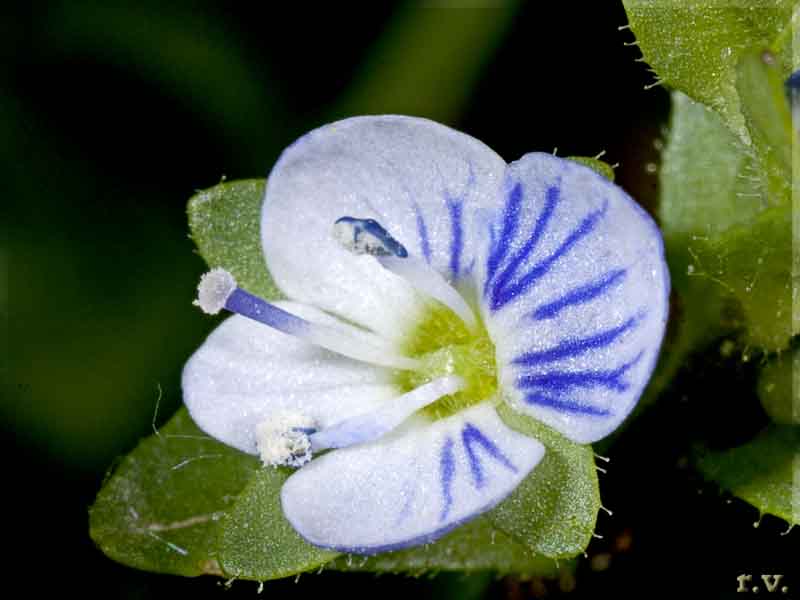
[575, 296]
[420, 180]
[410, 487]
[245, 372]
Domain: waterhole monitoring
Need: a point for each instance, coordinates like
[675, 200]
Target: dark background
[114, 113]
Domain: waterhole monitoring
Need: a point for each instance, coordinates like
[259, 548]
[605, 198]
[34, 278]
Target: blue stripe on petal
[558, 381]
[502, 296]
[447, 470]
[499, 247]
[579, 295]
[471, 435]
[576, 347]
[542, 221]
[454, 208]
[422, 232]
[566, 405]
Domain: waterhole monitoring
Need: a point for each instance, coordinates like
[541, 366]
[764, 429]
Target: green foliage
[225, 222]
[257, 541]
[726, 207]
[695, 45]
[726, 214]
[554, 511]
[779, 388]
[764, 472]
[162, 507]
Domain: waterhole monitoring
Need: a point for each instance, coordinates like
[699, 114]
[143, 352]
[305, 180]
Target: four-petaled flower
[429, 282]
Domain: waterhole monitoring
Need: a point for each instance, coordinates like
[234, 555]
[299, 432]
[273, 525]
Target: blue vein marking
[566, 405]
[471, 435]
[454, 207]
[552, 196]
[502, 296]
[559, 381]
[422, 232]
[575, 347]
[579, 295]
[447, 470]
[499, 247]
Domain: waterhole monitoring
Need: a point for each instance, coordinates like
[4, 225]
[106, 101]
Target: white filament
[429, 281]
[371, 426]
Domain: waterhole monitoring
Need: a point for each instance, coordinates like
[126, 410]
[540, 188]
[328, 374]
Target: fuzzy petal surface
[421, 181]
[410, 487]
[575, 296]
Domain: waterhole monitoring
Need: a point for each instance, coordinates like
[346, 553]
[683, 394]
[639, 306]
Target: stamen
[282, 439]
[218, 290]
[371, 426]
[367, 236]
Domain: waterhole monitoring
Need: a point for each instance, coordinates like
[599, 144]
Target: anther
[283, 439]
[367, 236]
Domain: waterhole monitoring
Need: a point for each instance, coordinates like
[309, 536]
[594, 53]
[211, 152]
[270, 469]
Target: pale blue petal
[574, 292]
[420, 180]
[410, 487]
[246, 372]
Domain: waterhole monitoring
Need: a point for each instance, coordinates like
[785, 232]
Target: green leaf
[554, 511]
[728, 241]
[258, 542]
[161, 508]
[779, 388]
[695, 45]
[225, 221]
[474, 546]
[595, 164]
[764, 472]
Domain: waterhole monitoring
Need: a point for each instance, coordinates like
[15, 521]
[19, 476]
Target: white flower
[551, 294]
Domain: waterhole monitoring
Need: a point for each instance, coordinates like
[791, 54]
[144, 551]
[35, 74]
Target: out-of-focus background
[115, 113]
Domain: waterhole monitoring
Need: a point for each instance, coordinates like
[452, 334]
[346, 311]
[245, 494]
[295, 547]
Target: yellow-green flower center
[445, 346]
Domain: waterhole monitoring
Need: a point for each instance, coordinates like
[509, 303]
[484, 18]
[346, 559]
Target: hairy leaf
[779, 388]
[554, 511]
[225, 221]
[695, 45]
[728, 239]
[764, 472]
[258, 542]
[161, 508]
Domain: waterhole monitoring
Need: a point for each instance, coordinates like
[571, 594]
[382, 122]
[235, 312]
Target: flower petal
[575, 296]
[244, 372]
[420, 180]
[410, 487]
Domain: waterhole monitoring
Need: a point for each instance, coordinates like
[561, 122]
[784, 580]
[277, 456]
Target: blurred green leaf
[428, 61]
[258, 542]
[779, 388]
[728, 241]
[595, 164]
[764, 472]
[554, 511]
[162, 507]
[225, 221]
[695, 45]
[474, 546]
